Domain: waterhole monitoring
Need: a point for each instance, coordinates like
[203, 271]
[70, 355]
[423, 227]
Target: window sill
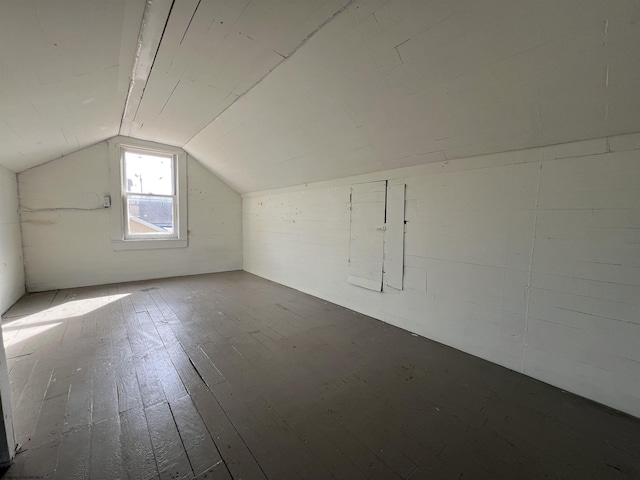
[149, 244]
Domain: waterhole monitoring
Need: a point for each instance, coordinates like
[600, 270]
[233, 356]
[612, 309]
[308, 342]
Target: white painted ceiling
[64, 75]
[274, 93]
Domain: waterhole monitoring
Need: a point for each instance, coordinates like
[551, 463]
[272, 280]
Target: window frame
[121, 238]
[126, 193]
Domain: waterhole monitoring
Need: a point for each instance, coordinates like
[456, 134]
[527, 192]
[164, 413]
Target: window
[148, 195]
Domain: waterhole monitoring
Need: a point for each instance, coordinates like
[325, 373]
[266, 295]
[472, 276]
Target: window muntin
[149, 194]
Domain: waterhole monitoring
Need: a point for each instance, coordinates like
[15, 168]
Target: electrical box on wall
[107, 201]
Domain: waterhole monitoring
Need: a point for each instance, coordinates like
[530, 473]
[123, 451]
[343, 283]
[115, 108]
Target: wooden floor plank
[31, 303]
[236, 455]
[37, 462]
[170, 379]
[333, 435]
[74, 455]
[126, 381]
[149, 383]
[27, 409]
[105, 390]
[205, 367]
[276, 446]
[168, 449]
[202, 452]
[79, 407]
[51, 421]
[135, 445]
[106, 462]
[19, 375]
[229, 376]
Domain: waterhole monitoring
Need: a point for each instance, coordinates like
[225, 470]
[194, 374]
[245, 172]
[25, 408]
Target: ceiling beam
[154, 22]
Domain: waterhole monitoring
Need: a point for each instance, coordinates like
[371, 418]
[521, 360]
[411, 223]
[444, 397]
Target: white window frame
[126, 193]
[121, 240]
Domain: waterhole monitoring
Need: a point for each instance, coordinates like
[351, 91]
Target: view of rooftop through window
[150, 193]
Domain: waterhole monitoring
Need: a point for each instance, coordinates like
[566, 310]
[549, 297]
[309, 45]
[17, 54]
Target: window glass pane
[147, 173]
[150, 215]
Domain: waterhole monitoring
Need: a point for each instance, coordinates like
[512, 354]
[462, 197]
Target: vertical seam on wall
[384, 241]
[24, 262]
[533, 248]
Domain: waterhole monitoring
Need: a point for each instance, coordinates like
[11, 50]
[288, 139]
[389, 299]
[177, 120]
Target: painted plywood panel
[394, 237]
[367, 235]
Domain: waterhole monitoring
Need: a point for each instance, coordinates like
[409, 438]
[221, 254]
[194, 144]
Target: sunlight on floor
[17, 331]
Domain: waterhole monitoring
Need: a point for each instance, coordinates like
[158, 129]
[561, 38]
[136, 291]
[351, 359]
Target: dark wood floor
[231, 376]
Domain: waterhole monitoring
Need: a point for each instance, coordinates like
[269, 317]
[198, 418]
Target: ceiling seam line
[190, 20]
[285, 58]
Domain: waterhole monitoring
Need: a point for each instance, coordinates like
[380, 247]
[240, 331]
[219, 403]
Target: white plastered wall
[529, 259]
[67, 247]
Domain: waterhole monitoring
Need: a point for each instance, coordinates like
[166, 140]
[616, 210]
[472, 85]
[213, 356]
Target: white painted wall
[11, 289]
[69, 248]
[11, 269]
[530, 259]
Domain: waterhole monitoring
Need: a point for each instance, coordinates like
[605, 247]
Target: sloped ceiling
[211, 53]
[399, 83]
[274, 93]
[64, 75]
[66, 67]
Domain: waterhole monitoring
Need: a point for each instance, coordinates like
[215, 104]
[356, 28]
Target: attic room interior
[320, 239]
